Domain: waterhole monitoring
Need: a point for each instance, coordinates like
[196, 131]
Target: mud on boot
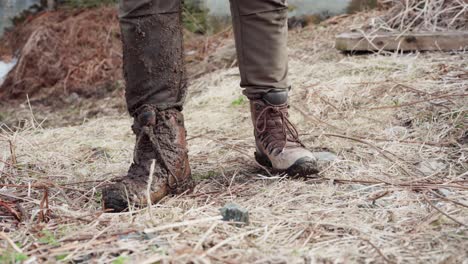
[277, 140]
[160, 138]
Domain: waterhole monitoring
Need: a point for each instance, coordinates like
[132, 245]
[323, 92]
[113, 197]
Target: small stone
[72, 98]
[82, 172]
[445, 192]
[141, 236]
[133, 236]
[396, 131]
[232, 212]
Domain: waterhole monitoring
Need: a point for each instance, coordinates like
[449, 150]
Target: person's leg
[155, 90]
[153, 58]
[261, 35]
[261, 31]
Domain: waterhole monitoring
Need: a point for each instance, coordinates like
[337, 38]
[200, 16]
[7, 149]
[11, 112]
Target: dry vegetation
[397, 194]
[68, 59]
[65, 52]
[78, 53]
[426, 15]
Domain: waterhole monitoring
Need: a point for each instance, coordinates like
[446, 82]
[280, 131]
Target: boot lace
[277, 137]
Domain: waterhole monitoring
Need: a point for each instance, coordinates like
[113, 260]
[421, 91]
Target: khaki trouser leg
[153, 53]
[261, 31]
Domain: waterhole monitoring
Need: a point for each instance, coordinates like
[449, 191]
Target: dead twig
[416, 102]
[12, 244]
[9, 208]
[442, 212]
[377, 250]
[44, 211]
[381, 151]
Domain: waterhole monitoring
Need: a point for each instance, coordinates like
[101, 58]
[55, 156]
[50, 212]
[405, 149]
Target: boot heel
[262, 160]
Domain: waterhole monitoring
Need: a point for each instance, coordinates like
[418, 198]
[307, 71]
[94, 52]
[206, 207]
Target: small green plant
[205, 176]
[194, 18]
[355, 6]
[61, 257]
[239, 101]
[98, 197]
[10, 256]
[86, 3]
[48, 238]
[291, 8]
[120, 260]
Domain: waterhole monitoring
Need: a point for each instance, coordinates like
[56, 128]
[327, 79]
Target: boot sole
[303, 167]
[113, 201]
[114, 198]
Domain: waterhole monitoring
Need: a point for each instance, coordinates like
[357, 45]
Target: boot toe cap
[303, 167]
[114, 198]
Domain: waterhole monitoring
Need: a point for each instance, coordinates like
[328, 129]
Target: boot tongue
[276, 98]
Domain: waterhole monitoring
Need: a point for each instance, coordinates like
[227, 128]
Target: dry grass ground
[397, 194]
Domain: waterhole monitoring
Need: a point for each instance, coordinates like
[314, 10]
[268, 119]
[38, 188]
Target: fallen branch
[416, 102]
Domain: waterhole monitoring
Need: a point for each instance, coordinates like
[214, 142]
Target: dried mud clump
[64, 52]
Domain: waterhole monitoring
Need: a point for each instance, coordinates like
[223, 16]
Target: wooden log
[430, 41]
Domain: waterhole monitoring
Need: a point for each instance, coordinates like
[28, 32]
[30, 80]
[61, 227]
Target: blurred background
[214, 12]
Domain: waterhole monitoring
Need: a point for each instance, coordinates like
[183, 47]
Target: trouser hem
[255, 93]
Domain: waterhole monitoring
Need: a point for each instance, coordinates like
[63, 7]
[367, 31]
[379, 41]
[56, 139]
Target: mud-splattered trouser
[153, 52]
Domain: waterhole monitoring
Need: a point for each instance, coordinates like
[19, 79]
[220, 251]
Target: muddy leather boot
[156, 84]
[277, 140]
[160, 138]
